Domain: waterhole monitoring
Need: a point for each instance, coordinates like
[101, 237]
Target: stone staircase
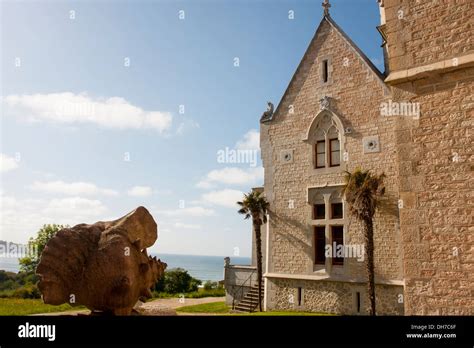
[250, 301]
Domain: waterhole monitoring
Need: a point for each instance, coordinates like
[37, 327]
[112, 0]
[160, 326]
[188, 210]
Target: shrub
[9, 284]
[210, 285]
[176, 281]
[27, 291]
[206, 293]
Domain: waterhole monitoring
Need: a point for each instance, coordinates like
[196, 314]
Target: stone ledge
[401, 76]
[331, 279]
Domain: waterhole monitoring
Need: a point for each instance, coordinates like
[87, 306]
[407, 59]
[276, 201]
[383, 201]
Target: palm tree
[362, 194]
[255, 206]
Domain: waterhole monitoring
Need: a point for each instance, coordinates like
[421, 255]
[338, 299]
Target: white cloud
[73, 188]
[140, 191]
[66, 206]
[70, 108]
[186, 125]
[232, 176]
[204, 184]
[226, 198]
[191, 211]
[187, 226]
[22, 218]
[7, 163]
[250, 141]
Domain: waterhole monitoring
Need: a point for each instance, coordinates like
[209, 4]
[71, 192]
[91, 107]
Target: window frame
[317, 238]
[336, 260]
[331, 152]
[315, 216]
[332, 210]
[316, 153]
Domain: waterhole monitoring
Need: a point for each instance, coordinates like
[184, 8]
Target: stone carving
[269, 112]
[326, 5]
[103, 266]
[324, 103]
[371, 144]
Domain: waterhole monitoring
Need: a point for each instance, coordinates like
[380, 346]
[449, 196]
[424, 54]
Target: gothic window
[325, 138]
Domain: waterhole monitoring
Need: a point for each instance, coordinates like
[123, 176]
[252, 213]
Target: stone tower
[430, 60]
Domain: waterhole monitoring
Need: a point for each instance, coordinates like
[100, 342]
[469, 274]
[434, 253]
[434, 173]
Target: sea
[200, 267]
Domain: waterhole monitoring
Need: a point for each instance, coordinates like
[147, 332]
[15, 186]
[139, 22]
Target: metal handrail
[241, 288]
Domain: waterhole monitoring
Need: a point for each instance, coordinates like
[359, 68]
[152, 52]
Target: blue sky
[108, 105]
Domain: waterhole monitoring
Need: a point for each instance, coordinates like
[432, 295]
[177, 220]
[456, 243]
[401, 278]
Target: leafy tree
[176, 281]
[210, 285]
[362, 192]
[36, 246]
[255, 206]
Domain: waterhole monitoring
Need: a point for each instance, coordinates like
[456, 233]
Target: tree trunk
[258, 244]
[369, 243]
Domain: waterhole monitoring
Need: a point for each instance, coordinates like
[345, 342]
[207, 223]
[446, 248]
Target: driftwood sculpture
[103, 266]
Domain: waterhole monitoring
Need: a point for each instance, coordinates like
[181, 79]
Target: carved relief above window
[326, 137]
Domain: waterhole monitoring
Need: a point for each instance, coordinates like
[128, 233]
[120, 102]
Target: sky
[109, 105]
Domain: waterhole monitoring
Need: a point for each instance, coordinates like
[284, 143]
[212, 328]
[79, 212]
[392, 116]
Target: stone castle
[413, 122]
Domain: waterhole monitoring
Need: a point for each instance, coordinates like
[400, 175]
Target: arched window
[325, 136]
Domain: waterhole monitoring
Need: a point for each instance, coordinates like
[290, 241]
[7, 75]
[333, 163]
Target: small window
[336, 211]
[320, 245]
[325, 71]
[319, 212]
[335, 153]
[300, 296]
[358, 302]
[320, 154]
[337, 238]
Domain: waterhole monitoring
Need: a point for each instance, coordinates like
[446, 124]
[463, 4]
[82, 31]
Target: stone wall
[427, 31]
[436, 186]
[238, 280]
[332, 297]
[435, 153]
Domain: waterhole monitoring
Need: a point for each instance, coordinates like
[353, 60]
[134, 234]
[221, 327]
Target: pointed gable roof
[327, 18]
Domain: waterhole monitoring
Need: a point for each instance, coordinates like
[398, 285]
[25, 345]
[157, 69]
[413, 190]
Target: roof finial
[326, 6]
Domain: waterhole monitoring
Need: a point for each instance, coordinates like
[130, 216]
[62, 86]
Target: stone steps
[250, 300]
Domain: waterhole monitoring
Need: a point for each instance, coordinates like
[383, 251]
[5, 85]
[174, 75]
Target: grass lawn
[222, 308]
[213, 307]
[18, 306]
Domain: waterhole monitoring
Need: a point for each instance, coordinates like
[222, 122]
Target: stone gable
[355, 92]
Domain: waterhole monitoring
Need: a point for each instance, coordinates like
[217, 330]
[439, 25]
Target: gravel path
[167, 306]
[161, 306]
